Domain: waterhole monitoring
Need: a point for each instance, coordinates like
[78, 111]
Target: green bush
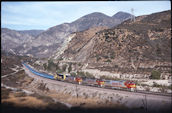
[79, 64]
[169, 87]
[108, 60]
[73, 74]
[156, 85]
[89, 75]
[60, 59]
[98, 58]
[80, 73]
[45, 66]
[51, 66]
[84, 74]
[70, 68]
[155, 75]
[64, 67]
[59, 71]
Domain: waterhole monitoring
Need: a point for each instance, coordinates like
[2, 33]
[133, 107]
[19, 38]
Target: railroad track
[137, 91]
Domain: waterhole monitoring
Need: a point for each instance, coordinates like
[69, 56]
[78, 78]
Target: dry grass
[27, 101]
[5, 93]
[84, 102]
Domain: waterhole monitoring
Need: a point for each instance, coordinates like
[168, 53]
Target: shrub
[106, 57]
[73, 74]
[59, 71]
[109, 78]
[98, 58]
[57, 66]
[45, 66]
[147, 89]
[84, 74]
[163, 89]
[156, 85]
[80, 73]
[108, 60]
[112, 55]
[89, 75]
[60, 58]
[51, 66]
[64, 67]
[79, 64]
[155, 74]
[70, 68]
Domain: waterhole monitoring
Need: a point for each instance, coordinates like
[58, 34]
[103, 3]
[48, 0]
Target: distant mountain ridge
[33, 33]
[48, 42]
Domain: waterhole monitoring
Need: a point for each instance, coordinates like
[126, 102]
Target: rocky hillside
[130, 44]
[75, 49]
[122, 16]
[10, 39]
[48, 42]
[33, 33]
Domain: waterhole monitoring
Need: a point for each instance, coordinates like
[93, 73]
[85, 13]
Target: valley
[93, 46]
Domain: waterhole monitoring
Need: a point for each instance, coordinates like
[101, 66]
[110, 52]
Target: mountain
[122, 16]
[10, 39]
[130, 44]
[49, 42]
[94, 20]
[33, 33]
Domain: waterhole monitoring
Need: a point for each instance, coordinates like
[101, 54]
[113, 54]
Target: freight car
[38, 73]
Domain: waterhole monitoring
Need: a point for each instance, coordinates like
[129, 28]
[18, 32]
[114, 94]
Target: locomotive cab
[78, 80]
[60, 77]
[100, 82]
[131, 85]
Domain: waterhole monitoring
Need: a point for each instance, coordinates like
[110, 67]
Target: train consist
[115, 84]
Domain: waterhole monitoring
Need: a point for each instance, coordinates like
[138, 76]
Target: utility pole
[76, 91]
[145, 103]
[132, 17]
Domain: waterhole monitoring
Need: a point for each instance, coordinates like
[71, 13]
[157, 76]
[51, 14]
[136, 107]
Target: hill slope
[130, 44]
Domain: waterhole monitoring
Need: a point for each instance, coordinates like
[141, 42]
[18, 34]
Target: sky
[43, 15]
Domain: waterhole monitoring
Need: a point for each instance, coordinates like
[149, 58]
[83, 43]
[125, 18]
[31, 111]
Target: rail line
[84, 84]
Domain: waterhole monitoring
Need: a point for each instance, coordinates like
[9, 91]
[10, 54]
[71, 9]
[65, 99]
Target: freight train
[114, 84]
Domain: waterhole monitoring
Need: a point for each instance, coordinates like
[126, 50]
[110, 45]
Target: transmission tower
[132, 17]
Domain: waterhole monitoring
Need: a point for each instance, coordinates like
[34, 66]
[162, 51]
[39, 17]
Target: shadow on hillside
[9, 108]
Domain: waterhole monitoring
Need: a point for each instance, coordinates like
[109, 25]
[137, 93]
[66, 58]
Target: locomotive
[114, 84]
[67, 78]
[121, 84]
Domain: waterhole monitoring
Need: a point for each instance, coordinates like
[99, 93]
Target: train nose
[133, 86]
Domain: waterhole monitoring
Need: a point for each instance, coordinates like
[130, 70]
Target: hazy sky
[43, 15]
